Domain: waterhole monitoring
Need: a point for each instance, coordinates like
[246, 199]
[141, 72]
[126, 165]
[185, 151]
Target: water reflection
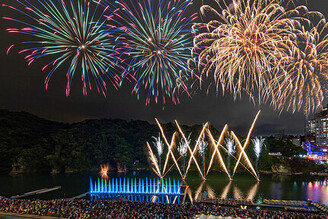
[205, 190]
[285, 190]
[252, 192]
[226, 190]
[270, 187]
[148, 198]
[317, 190]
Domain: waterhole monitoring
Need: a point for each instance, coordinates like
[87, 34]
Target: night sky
[22, 89]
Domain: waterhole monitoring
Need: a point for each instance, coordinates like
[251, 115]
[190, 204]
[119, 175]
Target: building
[315, 152]
[316, 130]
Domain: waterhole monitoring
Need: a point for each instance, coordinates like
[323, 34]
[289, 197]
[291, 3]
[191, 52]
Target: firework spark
[69, 32]
[243, 46]
[157, 44]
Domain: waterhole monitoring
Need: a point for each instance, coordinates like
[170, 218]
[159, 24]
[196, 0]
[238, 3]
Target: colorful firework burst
[243, 44]
[76, 33]
[157, 45]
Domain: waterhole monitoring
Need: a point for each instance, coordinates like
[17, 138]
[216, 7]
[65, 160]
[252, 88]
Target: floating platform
[79, 196]
[36, 192]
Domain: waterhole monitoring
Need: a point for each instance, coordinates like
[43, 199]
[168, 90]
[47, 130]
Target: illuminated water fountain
[135, 186]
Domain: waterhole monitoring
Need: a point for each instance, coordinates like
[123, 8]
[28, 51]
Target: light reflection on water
[217, 185]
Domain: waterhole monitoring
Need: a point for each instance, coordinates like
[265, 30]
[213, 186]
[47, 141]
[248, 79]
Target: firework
[302, 83]
[231, 146]
[200, 147]
[157, 44]
[242, 149]
[104, 168]
[193, 152]
[160, 147]
[73, 34]
[154, 161]
[183, 149]
[258, 145]
[217, 151]
[243, 46]
[170, 148]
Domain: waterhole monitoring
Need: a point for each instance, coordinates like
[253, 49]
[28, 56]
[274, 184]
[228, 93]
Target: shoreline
[147, 169]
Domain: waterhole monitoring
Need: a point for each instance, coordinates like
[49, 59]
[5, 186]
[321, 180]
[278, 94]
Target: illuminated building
[316, 129]
[315, 152]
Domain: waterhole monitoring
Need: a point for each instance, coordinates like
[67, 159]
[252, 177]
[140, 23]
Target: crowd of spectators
[133, 209]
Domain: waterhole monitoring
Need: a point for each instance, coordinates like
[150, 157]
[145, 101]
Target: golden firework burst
[303, 80]
[243, 45]
[271, 52]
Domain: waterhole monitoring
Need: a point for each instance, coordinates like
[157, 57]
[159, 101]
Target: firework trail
[69, 33]
[157, 44]
[240, 48]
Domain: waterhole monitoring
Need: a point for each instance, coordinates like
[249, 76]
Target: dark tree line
[31, 144]
[35, 144]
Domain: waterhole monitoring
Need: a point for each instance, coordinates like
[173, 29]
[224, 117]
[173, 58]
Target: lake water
[299, 187]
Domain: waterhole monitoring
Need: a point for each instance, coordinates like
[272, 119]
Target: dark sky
[22, 89]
